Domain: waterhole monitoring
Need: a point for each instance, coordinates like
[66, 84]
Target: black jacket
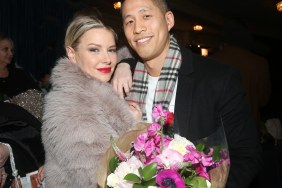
[210, 94]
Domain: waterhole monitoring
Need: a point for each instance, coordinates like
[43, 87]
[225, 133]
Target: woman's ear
[71, 54]
[169, 19]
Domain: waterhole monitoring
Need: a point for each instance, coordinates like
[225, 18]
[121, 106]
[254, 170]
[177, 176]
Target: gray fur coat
[80, 115]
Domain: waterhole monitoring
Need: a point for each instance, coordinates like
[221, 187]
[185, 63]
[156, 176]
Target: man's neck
[155, 65]
[154, 68]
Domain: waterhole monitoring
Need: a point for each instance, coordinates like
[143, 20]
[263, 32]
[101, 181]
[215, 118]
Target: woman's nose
[106, 58]
[10, 52]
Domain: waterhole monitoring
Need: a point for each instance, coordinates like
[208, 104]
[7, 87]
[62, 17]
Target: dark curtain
[37, 28]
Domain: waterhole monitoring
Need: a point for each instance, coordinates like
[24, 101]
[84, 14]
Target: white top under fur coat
[80, 115]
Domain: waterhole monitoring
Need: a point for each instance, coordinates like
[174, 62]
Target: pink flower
[170, 178]
[202, 171]
[149, 147]
[158, 112]
[193, 156]
[153, 128]
[140, 141]
[170, 159]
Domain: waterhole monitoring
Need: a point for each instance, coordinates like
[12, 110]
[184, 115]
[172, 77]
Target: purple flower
[170, 179]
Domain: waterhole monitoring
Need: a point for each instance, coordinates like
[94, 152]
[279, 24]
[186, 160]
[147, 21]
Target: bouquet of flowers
[159, 158]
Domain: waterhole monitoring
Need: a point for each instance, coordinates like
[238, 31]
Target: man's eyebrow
[141, 10]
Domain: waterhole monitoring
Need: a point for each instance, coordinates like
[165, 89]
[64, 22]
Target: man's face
[146, 28]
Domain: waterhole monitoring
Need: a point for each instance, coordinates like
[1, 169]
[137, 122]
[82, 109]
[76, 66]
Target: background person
[20, 115]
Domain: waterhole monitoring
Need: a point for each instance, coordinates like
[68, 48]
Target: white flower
[208, 184]
[179, 144]
[116, 179]
[112, 180]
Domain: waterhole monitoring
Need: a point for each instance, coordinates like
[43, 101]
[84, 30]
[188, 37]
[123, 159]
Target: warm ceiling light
[198, 28]
[117, 5]
[279, 6]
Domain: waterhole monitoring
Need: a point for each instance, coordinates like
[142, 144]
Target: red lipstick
[104, 70]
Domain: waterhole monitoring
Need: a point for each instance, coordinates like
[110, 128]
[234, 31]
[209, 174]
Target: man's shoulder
[201, 64]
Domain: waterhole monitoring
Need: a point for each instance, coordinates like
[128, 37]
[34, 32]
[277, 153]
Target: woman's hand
[3, 177]
[122, 80]
[40, 176]
[4, 154]
[136, 111]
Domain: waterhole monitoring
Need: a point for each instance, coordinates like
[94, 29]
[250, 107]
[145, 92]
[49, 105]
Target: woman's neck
[4, 72]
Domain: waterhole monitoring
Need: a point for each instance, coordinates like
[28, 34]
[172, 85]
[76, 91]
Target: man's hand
[122, 80]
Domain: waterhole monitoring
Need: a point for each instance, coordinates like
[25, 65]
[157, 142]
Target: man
[202, 93]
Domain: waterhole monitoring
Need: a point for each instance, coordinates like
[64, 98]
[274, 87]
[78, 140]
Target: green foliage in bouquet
[146, 176]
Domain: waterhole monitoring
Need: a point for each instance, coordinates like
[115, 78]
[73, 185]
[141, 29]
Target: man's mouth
[143, 40]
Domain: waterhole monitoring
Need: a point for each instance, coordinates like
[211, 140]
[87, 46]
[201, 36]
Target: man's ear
[169, 19]
[71, 54]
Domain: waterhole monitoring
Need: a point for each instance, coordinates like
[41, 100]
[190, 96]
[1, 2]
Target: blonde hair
[81, 24]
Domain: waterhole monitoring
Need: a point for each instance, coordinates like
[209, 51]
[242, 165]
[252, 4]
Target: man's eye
[147, 16]
[129, 22]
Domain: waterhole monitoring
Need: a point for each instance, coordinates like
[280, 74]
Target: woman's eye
[4, 49]
[93, 50]
[114, 50]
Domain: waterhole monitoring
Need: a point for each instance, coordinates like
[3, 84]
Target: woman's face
[95, 54]
[6, 52]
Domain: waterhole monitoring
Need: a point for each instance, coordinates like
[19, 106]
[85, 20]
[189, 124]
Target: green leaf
[151, 182]
[133, 178]
[140, 171]
[200, 147]
[149, 171]
[216, 153]
[113, 164]
[198, 182]
[138, 186]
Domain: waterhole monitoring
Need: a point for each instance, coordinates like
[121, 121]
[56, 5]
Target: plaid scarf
[166, 82]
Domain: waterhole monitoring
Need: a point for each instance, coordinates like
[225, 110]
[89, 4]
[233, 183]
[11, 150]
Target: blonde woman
[82, 110]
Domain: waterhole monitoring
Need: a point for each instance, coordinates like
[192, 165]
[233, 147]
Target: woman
[13, 81]
[82, 110]
[20, 117]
